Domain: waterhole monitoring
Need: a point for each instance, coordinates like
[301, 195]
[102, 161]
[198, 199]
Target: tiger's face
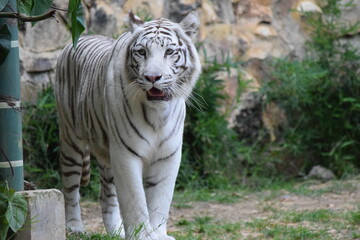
[163, 61]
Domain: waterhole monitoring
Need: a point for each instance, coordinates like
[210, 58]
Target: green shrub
[41, 141]
[321, 96]
[210, 150]
[13, 211]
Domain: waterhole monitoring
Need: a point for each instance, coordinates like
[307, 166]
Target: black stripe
[69, 159]
[167, 157]
[147, 33]
[112, 205]
[76, 148]
[105, 179]
[115, 128]
[129, 149]
[145, 116]
[75, 204]
[149, 184]
[133, 127]
[110, 195]
[124, 123]
[168, 29]
[176, 126]
[70, 173]
[124, 96]
[102, 130]
[72, 188]
[85, 171]
[104, 186]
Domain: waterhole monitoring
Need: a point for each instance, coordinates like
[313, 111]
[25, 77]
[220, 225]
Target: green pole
[11, 155]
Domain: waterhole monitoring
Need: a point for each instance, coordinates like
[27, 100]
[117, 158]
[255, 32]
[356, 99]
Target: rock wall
[248, 30]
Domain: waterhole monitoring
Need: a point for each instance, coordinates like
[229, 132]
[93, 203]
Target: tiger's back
[79, 88]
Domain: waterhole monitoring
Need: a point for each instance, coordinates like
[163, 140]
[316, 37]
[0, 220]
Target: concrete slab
[46, 216]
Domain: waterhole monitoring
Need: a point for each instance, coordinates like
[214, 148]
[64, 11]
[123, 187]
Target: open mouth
[156, 94]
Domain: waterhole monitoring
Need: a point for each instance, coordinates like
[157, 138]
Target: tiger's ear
[134, 21]
[190, 24]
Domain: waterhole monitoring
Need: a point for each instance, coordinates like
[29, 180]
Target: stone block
[46, 216]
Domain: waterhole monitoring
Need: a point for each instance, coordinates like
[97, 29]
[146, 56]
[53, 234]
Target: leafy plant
[211, 149]
[41, 141]
[38, 10]
[321, 96]
[13, 210]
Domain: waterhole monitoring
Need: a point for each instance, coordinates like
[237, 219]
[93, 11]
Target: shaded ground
[336, 196]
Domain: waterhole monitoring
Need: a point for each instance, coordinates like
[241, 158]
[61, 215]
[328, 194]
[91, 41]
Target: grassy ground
[306, 210]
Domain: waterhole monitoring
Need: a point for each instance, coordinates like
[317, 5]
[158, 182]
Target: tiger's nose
[152, 78]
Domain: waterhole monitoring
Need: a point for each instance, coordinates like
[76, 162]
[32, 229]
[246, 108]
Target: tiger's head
[162, 59]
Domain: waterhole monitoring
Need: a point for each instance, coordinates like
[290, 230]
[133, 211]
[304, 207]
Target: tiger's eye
[169, 51]
[141, 52]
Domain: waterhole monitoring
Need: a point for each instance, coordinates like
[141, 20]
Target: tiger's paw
[75, 226]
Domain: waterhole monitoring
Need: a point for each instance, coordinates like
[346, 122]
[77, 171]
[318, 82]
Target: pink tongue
[154, 92]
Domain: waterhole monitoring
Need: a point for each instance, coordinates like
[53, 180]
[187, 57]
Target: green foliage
[39, 7]
[77, 20]
[13, 210]
[210, 148]
[144, 13]
[25, 6]
[41, 141]
[321, 96]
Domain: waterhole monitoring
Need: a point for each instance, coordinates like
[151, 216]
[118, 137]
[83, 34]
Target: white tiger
[124, 101]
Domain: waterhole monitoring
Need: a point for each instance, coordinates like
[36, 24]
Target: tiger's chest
[148, 131]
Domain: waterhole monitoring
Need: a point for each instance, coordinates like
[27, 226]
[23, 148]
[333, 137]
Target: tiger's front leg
[159, 189]
[128, 169]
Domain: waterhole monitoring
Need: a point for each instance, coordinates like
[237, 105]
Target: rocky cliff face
[248, 30]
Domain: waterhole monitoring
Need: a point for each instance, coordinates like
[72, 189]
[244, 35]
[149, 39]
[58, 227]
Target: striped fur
[124, 102]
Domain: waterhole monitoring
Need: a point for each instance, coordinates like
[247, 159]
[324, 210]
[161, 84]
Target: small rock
[321, 173]
[331, 205]
[286, 198]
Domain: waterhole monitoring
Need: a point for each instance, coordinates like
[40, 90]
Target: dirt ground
[341, 197]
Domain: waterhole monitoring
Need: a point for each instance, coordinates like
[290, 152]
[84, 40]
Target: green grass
[206, 228]
[220, 196]
[268, 230]
[288, 225]
[335, 187]
[322, 215]
[94, 236]
[354, 217]
[271, 221]
[319, 224]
